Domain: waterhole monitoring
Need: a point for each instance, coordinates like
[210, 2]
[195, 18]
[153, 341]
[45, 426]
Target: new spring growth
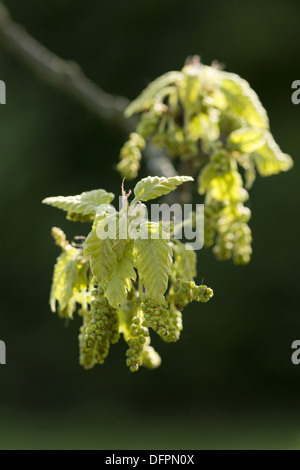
[133, 277]
[128, 284]
[212, 123]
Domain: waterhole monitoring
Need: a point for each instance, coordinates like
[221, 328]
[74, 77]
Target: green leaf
[262, 148]
[269, 159]
[185, 261]
[121, 277]
[246, 140]
[119, 244]
[65, 278]
[144, 100]
[102, 257]
[85, 203]
[82, 280]
[243, 101]
[154, 186]
[153, 261]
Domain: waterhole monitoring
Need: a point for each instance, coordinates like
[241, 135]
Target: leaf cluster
[213, 123]
[129, 276]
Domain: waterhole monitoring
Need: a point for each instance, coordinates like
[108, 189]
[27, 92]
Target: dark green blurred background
[229, 382]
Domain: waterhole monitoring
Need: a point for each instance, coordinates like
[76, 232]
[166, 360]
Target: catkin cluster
[123, 285]
[183, 292]
[100, 328]
[165, 320]
[136, 341]
[213, 123]
[130, 156]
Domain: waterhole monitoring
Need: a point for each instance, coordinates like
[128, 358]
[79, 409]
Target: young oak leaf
[269, 159]
[263, 150]
[153, 260]
[121, 277]
[144, 100]
[121, 239]
[246, 140]
[243, 101]
[85, 203]
[65, 279]
[100, 252]
[155, 186]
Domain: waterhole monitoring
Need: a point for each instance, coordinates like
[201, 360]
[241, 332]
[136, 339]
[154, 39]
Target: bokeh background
[229, 382]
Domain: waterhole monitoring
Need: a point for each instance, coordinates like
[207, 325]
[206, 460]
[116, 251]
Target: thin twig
[68, 77]
[64, 75]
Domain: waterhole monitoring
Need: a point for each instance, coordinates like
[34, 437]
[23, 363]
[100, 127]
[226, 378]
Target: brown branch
[68, 77]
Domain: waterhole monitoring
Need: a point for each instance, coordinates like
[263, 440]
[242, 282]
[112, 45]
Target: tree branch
[68, 77]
